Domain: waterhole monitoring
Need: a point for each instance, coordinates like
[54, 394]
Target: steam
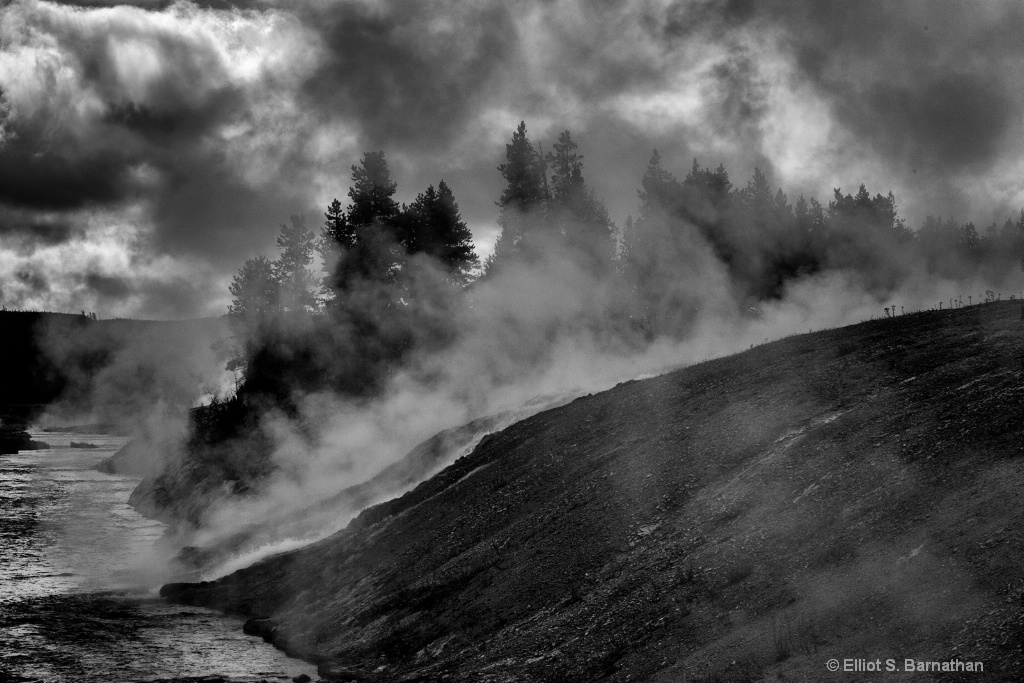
[534, 336]
[143, 145]
[138, 378]
[248, 130]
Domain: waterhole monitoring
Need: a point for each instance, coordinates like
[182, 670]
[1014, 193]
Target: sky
[148, 149]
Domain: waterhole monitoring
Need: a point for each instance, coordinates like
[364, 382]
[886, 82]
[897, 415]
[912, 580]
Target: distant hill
[31, 378]
[849, 493]
[45, 357]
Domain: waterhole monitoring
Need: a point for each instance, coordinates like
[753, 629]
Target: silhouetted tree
[579, 217]
[337, 228]
[336, 236]
[372, 192]
[359, 244]
[522, 201]
[432, 225]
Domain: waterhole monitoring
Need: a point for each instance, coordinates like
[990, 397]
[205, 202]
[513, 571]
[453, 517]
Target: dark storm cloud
[57, 160]
[26, 230]
[412, 75]
[108, 286]
[58, 179]
[117, 105]
[922, 84]
[407, 74]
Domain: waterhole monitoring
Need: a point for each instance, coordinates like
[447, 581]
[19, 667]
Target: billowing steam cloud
[147, 150]
[533, 338]
[195, 128]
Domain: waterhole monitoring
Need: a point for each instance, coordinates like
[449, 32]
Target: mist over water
[79, 577]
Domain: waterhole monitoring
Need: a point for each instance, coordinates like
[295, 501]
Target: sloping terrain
[853, 493]
[420, 463]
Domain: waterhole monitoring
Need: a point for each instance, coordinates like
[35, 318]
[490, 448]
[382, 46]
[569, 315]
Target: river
[79, 579]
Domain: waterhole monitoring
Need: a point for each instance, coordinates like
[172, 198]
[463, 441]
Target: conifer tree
[337, 232]
[433, 225]
[296, 281]
[255, 292]
[580, 218]
[358, 243]
[372, 191]
[659, 189]
[522, 201]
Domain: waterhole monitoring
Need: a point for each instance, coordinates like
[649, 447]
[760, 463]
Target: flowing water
[79, 578]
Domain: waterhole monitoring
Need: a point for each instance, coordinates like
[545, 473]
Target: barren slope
[849, 493]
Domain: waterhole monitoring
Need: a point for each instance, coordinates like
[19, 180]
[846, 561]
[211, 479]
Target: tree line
[392, 274]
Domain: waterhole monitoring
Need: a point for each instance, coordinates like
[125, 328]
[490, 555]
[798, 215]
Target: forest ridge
[546, 207]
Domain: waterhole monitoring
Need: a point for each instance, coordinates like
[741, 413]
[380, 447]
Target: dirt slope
[854, 493]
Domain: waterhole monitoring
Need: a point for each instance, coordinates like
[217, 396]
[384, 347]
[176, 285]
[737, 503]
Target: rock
[264, 628]
[301, 678]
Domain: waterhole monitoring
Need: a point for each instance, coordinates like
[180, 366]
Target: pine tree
[580, 218]
[255, 291]
[712, 186]
[659, 190]
[523, 199]
[566, 169]
[649, 242]
[337, 230]
[758, 200]
[372, 192]
[433, 225]
[336, 235]
[358, 244]
[296, 281]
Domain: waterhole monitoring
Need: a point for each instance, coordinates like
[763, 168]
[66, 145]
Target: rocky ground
[852, 493]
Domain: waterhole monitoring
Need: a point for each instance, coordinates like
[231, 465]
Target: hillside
[173, 495]
[848, 493]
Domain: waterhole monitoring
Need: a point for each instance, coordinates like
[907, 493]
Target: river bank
[78, 598]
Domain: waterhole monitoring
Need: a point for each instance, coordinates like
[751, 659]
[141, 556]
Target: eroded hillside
[854, 493]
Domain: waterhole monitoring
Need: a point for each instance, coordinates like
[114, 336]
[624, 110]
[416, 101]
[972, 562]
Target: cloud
[104, 265]
[209, 123]
[181, 122]
[924, 95]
